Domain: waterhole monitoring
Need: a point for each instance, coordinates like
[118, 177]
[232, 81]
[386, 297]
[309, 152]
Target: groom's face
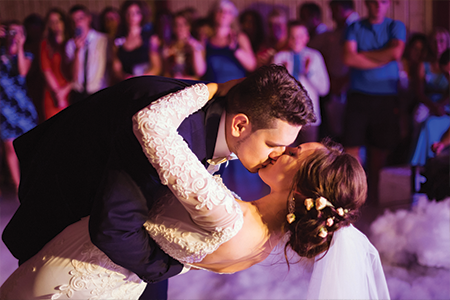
[256, 149]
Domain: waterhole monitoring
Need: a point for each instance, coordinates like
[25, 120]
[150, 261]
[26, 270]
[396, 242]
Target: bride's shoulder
[254, 234]
[249, 246]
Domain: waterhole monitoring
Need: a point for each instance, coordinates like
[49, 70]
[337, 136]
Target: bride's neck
[273, 210]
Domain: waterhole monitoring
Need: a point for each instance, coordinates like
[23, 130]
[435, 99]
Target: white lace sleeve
[211, 205]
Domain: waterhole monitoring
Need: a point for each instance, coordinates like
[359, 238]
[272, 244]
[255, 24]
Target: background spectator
[110, 22]
[54, 63]
[437, 168]
[310, 14]
[87, 53]
[34, 28]
[184, 57]
[432, 88]
[137, 52]
[276, 39]
[432, 85]
[229, 54]
[17, 112]
[252, 25]
[372, 47]
[308, 67]
[331, 45]
[163, 25]
[414, 54]
[202, 30]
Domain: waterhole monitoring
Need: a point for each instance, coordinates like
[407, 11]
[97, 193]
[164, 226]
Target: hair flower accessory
[330, 222]
[341, 211]
[309, 203]
[290, 218]
[323, 232]
[322, 202]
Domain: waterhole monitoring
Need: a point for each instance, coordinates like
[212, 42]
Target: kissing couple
[117, 193]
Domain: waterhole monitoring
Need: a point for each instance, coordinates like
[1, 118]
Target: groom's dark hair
[271, 93]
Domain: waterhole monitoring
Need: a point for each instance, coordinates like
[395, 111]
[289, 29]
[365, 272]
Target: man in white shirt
[87, 53]
[308, 67]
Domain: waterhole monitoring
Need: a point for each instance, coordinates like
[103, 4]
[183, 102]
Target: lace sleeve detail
[211, 205]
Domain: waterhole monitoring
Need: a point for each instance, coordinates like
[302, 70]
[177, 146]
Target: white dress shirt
[316, 81]
[97, 44]
[221, 151]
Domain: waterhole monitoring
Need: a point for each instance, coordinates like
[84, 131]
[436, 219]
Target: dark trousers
[155, 291]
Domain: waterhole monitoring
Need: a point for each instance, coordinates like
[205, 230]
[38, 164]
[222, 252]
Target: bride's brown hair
[336, 176]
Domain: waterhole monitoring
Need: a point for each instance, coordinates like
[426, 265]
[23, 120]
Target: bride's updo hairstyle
[329, 188]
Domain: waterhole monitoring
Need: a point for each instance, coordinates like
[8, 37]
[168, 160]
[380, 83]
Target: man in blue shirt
[371, 50]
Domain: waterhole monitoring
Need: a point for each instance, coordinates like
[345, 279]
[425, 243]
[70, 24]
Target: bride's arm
[210, 203]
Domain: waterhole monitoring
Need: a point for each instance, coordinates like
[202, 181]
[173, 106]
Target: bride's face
[280, 173]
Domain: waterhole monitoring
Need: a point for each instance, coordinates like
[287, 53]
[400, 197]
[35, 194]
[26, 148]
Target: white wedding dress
[205, 216]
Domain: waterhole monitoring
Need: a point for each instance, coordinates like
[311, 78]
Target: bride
[316, 191]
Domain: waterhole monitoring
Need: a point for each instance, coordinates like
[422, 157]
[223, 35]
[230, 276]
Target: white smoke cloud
[420, 234]
[415, 249]
[414, 246]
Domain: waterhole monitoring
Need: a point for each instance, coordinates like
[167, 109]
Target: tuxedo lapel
[213, 113]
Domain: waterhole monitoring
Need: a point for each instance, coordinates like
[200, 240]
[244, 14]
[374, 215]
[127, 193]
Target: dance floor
[413, 240]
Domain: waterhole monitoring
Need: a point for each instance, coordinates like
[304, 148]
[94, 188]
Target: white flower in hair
[323, 232]
[321, 203]
[309, 203]
[341, 211]
[330, 222]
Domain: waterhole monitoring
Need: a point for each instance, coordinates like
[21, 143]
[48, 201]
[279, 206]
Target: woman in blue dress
[432, 90]
[229, 53]
[17, 112]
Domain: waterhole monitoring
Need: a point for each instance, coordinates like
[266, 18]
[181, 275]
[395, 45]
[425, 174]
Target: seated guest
[432, 85]
[432, 88]
[438, 122]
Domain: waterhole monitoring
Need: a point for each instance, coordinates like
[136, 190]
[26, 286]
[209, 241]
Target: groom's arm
[116, 228]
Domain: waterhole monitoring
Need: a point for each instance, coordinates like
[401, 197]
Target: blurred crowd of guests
[374, 86]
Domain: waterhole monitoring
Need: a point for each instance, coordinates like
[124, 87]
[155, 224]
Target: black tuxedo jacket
[86, 161]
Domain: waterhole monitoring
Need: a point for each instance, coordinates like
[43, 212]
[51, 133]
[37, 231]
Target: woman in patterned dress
[17, 112]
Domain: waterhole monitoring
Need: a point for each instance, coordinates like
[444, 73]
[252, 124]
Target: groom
[86, 161]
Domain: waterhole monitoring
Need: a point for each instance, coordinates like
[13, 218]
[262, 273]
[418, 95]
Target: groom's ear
[240, 126]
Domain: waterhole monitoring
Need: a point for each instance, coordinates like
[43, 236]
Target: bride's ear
[240, 125]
